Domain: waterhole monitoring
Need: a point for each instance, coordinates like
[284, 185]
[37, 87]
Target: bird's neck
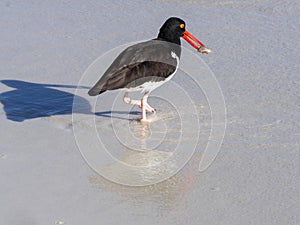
[176, 47]
[172, 39]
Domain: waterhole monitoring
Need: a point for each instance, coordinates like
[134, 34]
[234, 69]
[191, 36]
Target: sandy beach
[45, 178]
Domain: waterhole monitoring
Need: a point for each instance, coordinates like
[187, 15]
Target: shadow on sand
[33, 100]
[121, 115]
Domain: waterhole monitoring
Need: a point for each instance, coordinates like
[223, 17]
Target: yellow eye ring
[181, 25]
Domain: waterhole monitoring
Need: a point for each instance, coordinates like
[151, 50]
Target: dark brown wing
[147, 61]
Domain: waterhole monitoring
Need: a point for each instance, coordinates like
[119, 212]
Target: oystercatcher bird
[147, 65]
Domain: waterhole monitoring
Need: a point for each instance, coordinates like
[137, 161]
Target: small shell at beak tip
[204, 50]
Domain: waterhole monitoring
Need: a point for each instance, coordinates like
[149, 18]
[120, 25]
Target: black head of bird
[174, 28]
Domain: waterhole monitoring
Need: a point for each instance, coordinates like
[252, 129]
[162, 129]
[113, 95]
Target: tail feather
[94, 92]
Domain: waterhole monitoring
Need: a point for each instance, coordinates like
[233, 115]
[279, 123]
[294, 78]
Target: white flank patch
[150, 86]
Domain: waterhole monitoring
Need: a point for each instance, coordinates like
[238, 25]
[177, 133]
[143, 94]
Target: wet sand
[47, 46]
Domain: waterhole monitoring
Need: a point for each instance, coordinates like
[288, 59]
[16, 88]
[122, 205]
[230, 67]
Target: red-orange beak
[195, 43]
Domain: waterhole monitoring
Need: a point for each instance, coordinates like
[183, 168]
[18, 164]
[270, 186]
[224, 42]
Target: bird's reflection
[141, 165]
[140, 132]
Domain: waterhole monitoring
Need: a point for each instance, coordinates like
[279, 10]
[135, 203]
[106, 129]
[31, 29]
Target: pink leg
[143, 105]
[138, 103]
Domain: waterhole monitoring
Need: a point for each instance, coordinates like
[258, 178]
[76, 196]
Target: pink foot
[148, 108]
[138, 103]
